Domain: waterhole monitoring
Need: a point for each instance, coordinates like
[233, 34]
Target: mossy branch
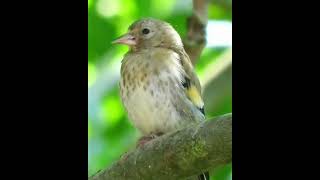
[177, 155]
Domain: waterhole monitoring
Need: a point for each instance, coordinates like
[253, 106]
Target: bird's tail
[204, 176]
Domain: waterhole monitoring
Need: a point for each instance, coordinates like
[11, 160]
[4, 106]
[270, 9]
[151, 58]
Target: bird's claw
[144, 139]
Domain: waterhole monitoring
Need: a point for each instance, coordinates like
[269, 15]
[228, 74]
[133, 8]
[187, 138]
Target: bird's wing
[191, 82]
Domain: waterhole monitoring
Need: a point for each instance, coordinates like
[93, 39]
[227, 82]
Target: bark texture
[177, 155]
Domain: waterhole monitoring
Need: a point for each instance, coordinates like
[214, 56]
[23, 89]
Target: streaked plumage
[159, 88]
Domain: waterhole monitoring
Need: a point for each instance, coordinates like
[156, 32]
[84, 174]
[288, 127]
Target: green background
[109, 132]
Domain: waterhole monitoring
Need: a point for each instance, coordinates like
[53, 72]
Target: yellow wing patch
[194, 96]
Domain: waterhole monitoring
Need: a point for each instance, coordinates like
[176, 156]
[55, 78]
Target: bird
[158, 86]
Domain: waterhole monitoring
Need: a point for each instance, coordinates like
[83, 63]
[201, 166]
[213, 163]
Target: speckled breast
[151, 91]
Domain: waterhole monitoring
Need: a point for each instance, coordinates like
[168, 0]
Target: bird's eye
[145, 31]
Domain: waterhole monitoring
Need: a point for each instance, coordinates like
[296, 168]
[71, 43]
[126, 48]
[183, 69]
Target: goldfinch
[159, 88]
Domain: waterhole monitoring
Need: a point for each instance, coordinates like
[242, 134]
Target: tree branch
[176, 155]
[196, 35]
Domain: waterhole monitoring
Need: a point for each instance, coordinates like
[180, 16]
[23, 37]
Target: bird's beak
[126, 39]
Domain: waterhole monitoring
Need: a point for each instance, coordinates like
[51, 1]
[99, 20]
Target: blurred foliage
[110, 133]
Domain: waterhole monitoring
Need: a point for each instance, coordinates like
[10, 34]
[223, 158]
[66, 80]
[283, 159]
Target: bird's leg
[144, 139]
[124, 156]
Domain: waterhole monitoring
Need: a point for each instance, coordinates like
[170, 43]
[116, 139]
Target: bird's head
[148, 33]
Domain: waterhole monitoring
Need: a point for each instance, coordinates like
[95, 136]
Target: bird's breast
[149, 86]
